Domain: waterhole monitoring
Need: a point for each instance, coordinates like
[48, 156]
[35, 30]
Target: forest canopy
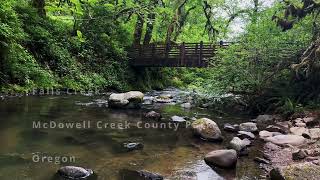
[82, 44]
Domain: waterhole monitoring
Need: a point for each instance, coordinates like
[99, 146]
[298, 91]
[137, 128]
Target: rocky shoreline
[291, 149]
[290, 145]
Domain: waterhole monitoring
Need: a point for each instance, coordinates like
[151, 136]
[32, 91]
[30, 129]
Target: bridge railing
[173, 54]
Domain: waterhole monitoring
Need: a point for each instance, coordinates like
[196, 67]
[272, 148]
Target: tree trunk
[174, 22]
[255, 11]
[40, 6]
[149, 30]
[138, 30]
[182, 22]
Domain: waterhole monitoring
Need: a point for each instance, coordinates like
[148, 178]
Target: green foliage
[82, 45]
[41, 52]
[258, 66]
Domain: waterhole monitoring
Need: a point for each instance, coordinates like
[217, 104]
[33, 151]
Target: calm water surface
[174, 154]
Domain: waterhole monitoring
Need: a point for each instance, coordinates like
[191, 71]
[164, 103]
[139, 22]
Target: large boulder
[222, 158]
[206, 129]
[293, 140]
[73, 172]
[132, 99]
[298, 171]
[248, 127]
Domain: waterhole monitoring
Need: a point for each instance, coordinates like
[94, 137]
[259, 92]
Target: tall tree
[150, 21]
[138, 29]
[40, 6]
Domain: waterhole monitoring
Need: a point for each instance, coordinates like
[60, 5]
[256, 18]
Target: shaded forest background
[81, 44]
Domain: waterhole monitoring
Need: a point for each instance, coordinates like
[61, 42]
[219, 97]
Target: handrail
[174, 54]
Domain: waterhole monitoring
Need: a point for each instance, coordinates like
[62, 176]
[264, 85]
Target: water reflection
[174, 154]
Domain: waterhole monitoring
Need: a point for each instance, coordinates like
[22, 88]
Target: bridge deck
[174, 55]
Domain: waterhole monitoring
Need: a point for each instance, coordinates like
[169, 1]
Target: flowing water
[175, 154]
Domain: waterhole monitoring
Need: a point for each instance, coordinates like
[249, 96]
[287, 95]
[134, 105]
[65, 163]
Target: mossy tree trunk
[40, 6]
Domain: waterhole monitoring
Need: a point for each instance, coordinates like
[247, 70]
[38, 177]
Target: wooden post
[182, 54]
[221, 43]
[201, 53]
[140, 50]
[196, 54]
[167, 50]
[196, 48]
[153, 53]
[153, 50]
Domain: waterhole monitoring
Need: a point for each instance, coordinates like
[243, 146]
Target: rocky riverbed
[206, 144]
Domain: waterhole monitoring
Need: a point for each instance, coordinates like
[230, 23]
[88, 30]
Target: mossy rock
[298, 171]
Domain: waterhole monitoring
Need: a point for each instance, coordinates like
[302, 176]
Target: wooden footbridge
[174, 55]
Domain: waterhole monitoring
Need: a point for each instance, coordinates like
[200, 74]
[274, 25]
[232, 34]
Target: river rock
[186, 105]
[148, 100]
[222, 158]
[131, 99]
[298, 171]
[314, 133]
[313, 152]
[207, 129]
[301, 124]
[244, 134]
[248, 127]
[231, 128]
[164, 98]
[293, 140]
[310, 121]
[299, 154]
[264, 134]
[152, 115]
[126, 174]
[275, 128]
[284, 124]
[133, 146]
[238, 144]
[74, 172]
[177, 119]
[298, 130]
[298, 120]
[265, 119]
